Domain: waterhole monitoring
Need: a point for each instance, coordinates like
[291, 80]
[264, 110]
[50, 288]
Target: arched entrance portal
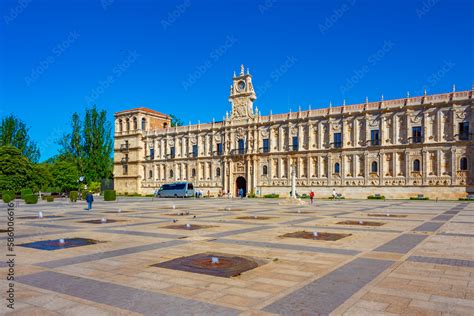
[240, 183]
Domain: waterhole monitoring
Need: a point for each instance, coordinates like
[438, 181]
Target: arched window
[143, 123]
[218, 172]
[265, 170]
[193, 172]
[150, 174]
[135, 123]
[120, 125]
[337, 167]
[165, 125]
[127, 125]
[171, 174]
[463, 163]
[374, 167]
[416, 165]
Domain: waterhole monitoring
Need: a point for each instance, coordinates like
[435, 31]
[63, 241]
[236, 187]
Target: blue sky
[57, 57]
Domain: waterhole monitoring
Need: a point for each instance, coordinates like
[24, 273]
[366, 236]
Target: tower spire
[242, 70]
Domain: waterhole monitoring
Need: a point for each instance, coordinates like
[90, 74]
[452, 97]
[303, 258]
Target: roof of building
[143, 109]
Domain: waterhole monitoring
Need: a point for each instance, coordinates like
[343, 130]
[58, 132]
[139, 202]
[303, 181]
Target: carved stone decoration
[171, 142]
[293, 131]
[240, 132]
[217, 138]
[461, 115]
[264, 132]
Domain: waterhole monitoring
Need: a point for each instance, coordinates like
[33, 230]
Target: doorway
[240, 183]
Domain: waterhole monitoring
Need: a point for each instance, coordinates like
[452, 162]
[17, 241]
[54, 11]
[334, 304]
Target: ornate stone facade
[397, 148]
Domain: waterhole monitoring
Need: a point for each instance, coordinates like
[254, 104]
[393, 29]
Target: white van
[177, 189]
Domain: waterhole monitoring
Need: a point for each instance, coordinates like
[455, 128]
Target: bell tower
[242, 95]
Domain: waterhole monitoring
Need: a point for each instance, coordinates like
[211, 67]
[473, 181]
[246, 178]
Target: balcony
[416, 140]
[124, 148]
[465, 136]
[238, 152]
[336, 145]
[375, 142]
[264, 150]
[293, 148]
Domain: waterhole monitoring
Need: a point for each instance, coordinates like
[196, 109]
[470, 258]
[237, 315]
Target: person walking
[334, 194]
[89, 200]
[241, 193]
[311, 196]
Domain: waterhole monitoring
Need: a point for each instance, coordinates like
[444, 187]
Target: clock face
[241, 85]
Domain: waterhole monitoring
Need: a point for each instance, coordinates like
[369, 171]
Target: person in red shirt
[311, 196]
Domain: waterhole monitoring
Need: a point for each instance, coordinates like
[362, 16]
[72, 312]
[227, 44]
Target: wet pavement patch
[215, 264]
[259, 218]
[360, 223]
[386, 215]
[179, 214]
[318, 236]
[188, 227]
[99, 221]
[56, 244]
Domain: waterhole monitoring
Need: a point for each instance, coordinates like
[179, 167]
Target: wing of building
[397, 148]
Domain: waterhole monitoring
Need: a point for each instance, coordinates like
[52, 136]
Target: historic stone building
[397, 148]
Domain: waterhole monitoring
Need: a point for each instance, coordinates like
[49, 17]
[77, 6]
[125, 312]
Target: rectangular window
[295, 143]
[337, 140]
[172, 152]
[416, 134]
[152, 153]
[464, 131]
[241, 146]
[195, 151]
[219, 149]
[125, 169]
[266, 145]
[375, 137]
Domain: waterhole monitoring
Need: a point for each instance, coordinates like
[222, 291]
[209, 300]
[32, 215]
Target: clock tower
[242, 96]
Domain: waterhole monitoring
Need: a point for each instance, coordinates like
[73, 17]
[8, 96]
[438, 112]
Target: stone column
[308, 166]
[453, 166]
[366, 168]
[439, 125]
[425, 166]
[320, 135]
[381, 168]
[438, 163]
[394, 164]
[407, 166]
[310, 136]
[382, 130]
[329, 169]
[395, 129]
[343, 167]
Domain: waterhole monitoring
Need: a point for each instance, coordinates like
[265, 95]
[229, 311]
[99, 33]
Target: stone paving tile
[108, 254]
[132, 299]
[442, 217]
[446, 261]
[428, 227]
[138, 233]
[402, 244]
[239, 231]
[287, 246]
[324, 295]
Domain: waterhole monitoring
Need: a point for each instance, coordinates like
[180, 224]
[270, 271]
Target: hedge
[271, 196]
[31, 199]
[25, 192]
[50, 198]
[73, 195]
[419, 198]
[7, 196]
[376, 197]
[84, 194]
[110, 195]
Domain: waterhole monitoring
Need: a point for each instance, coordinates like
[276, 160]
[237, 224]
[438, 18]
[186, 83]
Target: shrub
[376, 197]
[251, 195]
[271, 196]
[73, 195]
[110, 195]
[31, 199]
[84, 194]
[50, 198]
[94, 187]
[420, 198]
[7, 196]
[25, 192]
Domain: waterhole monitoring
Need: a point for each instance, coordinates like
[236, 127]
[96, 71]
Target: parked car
[177, 189]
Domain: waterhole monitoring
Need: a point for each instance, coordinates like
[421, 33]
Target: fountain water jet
[188, 225]
[61, 241]
[103, 220]
[214, 260]
[40, 214]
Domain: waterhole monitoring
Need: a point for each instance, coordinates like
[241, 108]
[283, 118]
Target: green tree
[65, 175]
[175, 121]
[41, 177]
[15, 133]
[89, 145]
[15, 169]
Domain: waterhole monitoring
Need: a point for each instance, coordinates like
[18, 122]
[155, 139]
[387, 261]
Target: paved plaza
[393, 257]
